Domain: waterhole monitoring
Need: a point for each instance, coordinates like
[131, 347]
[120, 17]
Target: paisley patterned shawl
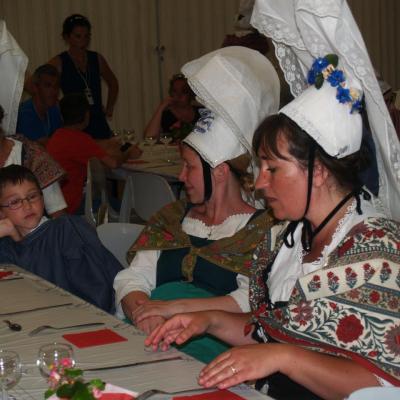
[164, 232]
[348, 308]
[36, 158]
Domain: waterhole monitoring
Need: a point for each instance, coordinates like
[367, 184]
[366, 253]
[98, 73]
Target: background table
[24, 293]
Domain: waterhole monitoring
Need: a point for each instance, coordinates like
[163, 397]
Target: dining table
[108, 349]
[159, 159]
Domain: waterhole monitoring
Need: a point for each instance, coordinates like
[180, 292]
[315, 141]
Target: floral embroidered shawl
[164, 232]
[36, 158]
[348, 308]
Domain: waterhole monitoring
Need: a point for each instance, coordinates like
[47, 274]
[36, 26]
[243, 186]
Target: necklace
[85, 78]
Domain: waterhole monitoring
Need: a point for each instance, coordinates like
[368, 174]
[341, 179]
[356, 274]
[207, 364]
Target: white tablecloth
[29, 292]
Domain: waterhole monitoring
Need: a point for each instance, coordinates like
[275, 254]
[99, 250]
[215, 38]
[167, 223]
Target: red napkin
[116, 396]
[6, 274]
[217, 395]
[133, 161]
[94, 338]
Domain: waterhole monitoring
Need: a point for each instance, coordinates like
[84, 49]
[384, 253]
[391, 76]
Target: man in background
[40, 116]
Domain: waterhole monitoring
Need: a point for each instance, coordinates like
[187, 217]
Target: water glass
[151, 141]
[10, 371]
[166, 138]
[52, 355]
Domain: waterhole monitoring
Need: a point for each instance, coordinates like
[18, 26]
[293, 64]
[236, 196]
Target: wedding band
[233, 369]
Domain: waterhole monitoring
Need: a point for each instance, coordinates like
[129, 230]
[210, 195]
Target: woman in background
[175, 114]
[81, 70]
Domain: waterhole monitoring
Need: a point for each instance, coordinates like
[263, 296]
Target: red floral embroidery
[374, 297]
[354, 294]
[349, 329]
[392, 340]
[304, 313]
[332, 305]
[142, 241]
[373, 353]
[168, 236]
[348, 244]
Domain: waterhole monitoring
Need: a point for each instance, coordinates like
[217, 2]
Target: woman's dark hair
[1, 115]
[345, 170]
[179, 77]
[73, 107]
[15, 175]
[72, 21]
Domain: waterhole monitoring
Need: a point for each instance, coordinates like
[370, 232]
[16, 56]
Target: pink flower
[66, 363]
[97, 393]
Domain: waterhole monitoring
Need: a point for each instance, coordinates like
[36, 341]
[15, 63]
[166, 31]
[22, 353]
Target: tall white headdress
[303, 30]
[13, 63]
[239, 87]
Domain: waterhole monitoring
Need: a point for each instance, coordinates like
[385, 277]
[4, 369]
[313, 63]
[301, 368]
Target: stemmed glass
[130, 136]
[166, 138]
[10, 371]
[151, 141]
[52, 355]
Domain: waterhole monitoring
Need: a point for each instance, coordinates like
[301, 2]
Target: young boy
[65, 251]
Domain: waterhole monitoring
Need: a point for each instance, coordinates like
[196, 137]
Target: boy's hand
[7, 228]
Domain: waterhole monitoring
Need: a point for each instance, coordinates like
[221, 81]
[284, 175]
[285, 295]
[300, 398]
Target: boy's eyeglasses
[17, 203]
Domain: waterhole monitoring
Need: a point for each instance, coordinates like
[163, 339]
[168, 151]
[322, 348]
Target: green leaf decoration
[97, 383]
[332, 59]
[82, 394]
[66, 391]
[73, 373]
[319, 81]
[48, 393]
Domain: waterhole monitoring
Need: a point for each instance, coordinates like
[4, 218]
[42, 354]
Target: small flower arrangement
[325, 69]
[67, 382]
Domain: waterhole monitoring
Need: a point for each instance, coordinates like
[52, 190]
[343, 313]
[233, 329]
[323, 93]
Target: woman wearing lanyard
[81, 70]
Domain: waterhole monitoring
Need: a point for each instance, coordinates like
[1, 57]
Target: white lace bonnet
[13, 63]
[239, 87]
[303, 30]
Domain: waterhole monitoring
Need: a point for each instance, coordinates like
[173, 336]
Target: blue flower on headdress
[343, 95]
[319, 64]
[311, 77]
[336, 77]
[356, 106]
[205, 121]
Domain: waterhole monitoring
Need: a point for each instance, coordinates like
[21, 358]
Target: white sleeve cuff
[241, 294]
[139, 276]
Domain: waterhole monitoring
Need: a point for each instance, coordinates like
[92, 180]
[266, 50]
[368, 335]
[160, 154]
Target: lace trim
[320, 262]
[290, 47]
[226, 228]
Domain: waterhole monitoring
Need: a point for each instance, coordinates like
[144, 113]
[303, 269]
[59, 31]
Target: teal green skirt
[204, 348]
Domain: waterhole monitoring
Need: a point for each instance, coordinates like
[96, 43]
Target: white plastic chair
[145, 194]
[374, 393]
[118, 237]
[96, 188]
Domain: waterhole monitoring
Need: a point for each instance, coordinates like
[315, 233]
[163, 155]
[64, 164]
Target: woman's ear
[320, 174]
[221, 172]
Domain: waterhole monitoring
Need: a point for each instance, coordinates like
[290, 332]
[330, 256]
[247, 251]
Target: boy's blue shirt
[67, 252]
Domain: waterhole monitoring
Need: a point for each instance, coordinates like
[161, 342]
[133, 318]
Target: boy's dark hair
[74, 107]
[15, 175]
[45, 69]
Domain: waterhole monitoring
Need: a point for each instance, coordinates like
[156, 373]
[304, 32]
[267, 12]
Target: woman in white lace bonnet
[325, 293]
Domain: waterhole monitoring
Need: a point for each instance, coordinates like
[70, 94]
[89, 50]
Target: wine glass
[151, 141]
[10, 371]
[130, 135]
[54, 355]
[166, 138]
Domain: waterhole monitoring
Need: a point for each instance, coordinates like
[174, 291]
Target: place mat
[217, 395]
[94, 338]
[4, 275]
